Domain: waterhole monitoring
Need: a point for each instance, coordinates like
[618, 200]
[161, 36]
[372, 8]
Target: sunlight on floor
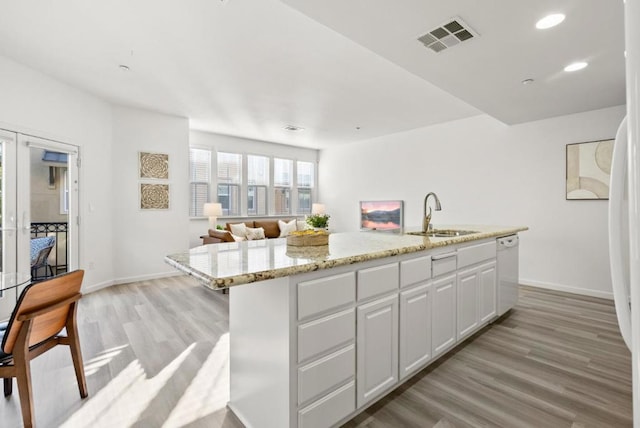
[208, 391]
[102, 359]
[122, 401]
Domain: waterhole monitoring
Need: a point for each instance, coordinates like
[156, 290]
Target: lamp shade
[212, 209]
[318, 209]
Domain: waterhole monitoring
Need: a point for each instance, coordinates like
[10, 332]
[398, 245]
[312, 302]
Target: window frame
[242, 188]
[241, 185]
[209, 183]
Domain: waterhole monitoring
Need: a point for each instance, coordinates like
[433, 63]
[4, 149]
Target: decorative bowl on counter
[308, 238]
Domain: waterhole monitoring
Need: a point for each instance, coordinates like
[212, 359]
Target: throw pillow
[238, 238]
[239, 229]
[302, 225]
[255, 233]
[286, 228]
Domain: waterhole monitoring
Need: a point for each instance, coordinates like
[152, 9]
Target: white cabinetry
[337, 340]
[476, 293]
[377, 344]
[415, 328]
[467, 302]
[488, 287]
[326, 349]
[443, 326]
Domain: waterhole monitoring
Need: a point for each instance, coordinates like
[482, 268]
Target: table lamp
[212, 210]
[318, 209]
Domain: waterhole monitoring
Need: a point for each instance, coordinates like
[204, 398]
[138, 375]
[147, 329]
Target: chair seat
[5, 357]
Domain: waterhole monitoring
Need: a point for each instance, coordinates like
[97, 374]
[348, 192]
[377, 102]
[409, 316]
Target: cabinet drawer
[326, 333]
[415, 270]
[321, 295]
[377, 280]
[443, 263]
[330, 409]
[473, 254]
[326, 373]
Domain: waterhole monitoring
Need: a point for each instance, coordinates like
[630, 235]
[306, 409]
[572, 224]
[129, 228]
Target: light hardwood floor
[156, 355]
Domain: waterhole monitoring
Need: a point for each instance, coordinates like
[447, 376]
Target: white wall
[36, 104]
[226, 143]
[144, 237]
[485, 172]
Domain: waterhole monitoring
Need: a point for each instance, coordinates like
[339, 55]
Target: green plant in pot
[319, 221]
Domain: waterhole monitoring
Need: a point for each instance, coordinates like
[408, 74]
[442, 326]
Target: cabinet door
[377, 348]
[415, 328]
[468, 285]
[488, 279]
[443, 327]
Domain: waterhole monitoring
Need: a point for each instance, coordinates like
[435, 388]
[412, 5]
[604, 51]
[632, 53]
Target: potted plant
[318, 221]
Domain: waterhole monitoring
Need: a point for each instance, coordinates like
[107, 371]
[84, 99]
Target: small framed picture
[154, 196]
[589, 169]
[153, 165]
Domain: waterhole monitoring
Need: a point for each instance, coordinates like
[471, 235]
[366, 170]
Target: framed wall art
[153, 165]
[154, 196]
[589, 169]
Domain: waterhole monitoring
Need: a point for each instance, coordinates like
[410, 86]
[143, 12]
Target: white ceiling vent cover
[449, 34]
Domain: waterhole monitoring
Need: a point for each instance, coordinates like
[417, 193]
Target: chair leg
[8, 386]
[22, 365]
[76, 353]
[23, 376]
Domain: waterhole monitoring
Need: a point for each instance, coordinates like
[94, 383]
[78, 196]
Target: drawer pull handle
[443, 256]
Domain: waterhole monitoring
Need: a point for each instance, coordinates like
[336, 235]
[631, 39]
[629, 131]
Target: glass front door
[39, 210]
[8, 217]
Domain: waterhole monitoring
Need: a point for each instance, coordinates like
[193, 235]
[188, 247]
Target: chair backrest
[41, 258]
[40, 249]
[39, 296]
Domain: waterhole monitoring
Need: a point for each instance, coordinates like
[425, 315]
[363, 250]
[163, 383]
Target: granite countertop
[225, 265]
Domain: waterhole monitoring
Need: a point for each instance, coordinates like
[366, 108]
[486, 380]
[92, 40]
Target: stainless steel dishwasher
[508, 273]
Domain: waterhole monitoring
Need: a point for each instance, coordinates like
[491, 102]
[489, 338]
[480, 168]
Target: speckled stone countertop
[224, 265]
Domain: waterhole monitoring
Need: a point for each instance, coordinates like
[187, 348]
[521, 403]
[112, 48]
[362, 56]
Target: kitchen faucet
[426, 221]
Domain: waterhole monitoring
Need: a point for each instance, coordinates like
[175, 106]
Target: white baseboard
[147, 277]
[568, 289]
[96, 287]
[105, 284]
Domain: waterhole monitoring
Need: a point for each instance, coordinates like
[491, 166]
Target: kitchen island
[317, 334]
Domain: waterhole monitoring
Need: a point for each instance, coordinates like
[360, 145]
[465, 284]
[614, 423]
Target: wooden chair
[43, 310]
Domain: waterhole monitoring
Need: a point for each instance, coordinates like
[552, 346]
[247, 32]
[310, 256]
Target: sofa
[271, 230]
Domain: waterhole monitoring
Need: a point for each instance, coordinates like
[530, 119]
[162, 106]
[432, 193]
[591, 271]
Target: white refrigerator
[624, 205]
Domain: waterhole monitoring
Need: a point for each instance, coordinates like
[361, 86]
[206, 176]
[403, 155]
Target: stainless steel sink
[444, 233]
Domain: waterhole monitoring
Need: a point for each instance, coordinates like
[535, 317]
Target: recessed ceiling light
[292, 128]
[575, 66]
[550, 21]
[527, 81]
[123, 67]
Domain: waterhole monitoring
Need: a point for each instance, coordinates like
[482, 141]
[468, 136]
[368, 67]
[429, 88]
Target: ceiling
[343, 70]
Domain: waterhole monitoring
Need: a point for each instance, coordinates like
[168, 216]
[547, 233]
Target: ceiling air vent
[449, 34]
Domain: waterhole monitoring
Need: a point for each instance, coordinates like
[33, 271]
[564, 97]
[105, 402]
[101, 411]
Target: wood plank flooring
[156, 355]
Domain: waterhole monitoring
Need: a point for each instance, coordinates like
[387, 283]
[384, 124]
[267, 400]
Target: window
[282, 182]
[229, 181]
[199, 178]
[305, 177]
[257, 184]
